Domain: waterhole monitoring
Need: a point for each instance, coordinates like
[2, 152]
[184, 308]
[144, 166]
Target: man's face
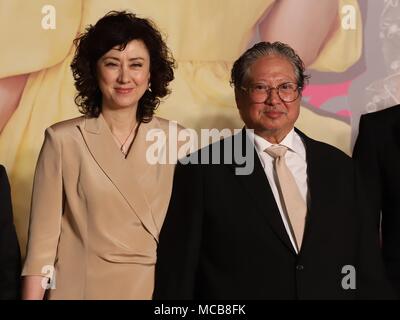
[273, 117]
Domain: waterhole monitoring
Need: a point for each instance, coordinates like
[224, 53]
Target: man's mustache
[274, 109]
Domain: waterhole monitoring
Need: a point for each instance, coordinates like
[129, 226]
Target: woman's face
[123, 76]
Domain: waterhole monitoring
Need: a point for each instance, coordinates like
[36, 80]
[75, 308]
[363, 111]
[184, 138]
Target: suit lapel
[257, 186]
[123, 173]
[316, 171]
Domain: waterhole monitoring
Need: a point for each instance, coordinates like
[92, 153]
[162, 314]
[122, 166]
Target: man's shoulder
[323, 150]
[332, 155]
[382, 116]
[3, 175]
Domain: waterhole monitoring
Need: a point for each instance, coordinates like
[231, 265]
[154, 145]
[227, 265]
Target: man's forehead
[271, 67]
[271, 61]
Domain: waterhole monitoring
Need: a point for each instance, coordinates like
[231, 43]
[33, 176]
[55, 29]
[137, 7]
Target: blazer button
[299, 267]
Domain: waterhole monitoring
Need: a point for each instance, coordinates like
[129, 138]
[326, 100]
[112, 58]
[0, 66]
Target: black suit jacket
[10, 260]
[377, 154]
[223, 236]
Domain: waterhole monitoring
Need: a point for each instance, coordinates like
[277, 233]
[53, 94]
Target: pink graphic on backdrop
[318, 94]
[344, 113]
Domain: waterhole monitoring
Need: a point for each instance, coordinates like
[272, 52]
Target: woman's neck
[120, 121]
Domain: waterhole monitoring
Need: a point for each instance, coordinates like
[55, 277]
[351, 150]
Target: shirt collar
[292, 141]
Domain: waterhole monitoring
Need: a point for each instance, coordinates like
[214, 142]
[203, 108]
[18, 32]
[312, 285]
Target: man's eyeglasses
[288, 92]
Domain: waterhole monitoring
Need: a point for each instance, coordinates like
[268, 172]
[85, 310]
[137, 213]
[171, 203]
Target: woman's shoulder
[67, 125]
[166, 125]
[65, 130]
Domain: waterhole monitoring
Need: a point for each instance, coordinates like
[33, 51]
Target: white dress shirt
[295, 159]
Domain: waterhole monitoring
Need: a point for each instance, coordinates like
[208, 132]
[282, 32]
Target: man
[10, 260]
[288, 230]
[377, 155]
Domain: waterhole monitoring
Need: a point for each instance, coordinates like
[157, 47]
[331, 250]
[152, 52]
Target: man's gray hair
[241, 66]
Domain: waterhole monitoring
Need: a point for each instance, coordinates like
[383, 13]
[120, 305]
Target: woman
[97, 204]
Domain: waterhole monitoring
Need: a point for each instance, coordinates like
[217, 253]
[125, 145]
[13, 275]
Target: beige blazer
[95, 215]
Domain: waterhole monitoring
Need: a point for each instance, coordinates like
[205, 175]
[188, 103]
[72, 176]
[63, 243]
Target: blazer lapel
[258, 187]
[119, 170]
[154, 179]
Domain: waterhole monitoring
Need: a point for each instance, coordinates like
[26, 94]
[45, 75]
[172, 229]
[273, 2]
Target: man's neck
[273, 137]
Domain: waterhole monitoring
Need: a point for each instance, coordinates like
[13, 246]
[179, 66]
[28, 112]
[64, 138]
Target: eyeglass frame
[268, 90]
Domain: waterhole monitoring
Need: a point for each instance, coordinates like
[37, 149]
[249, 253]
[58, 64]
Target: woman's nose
[123, 75]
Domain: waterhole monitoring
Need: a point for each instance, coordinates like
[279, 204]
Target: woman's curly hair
[118, 28]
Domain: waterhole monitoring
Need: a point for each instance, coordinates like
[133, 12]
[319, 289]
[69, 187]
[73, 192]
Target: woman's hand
[32, 287]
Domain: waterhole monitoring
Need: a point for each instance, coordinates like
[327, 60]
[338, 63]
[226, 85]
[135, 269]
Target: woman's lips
[123, 90]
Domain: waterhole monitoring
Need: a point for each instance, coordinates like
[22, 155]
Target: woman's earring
[149, 87]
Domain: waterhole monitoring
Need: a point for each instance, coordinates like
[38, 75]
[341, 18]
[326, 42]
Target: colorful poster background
[351, 49]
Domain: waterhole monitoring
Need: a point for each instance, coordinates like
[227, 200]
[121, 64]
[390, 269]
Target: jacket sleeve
[10, 259]
[372, 281]
[372, 276]
[366, 157]
[46, 209]
[180, 238]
